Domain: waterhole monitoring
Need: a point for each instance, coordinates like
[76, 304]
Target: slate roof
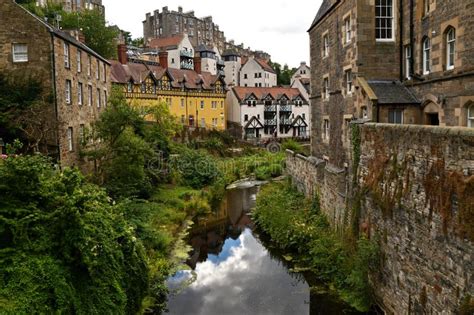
[392, 92]
[65, 36]
[230, 52]
[139, 71]
[324, 9]
[261, 92]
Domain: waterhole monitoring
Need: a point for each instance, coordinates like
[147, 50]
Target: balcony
[186, 53]
[285, 121]
[285, 108]
[270, 108]
[221, 63]
[187, 65]
[270, 122]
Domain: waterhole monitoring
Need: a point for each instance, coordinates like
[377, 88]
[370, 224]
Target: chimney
[163, 57]
[197, 65]
[122, 54]
[180, 9]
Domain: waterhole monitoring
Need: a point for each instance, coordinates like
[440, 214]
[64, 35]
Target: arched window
[450, 48]
[470, 116]
[426, 56]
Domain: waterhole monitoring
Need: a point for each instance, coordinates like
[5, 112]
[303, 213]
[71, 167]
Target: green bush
[290, 144]
[298, 226]
[64, 248]
[197, 168]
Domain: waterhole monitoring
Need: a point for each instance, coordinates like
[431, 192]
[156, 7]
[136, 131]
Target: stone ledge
[451, 131]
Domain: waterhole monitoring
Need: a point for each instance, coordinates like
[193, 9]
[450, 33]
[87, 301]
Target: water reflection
[234, 273]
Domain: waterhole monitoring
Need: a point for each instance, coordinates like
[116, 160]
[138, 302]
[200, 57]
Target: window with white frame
[426, 56]
[89, 88]
[347, 30]
[426, 7]
[450, 48]
[104, 71]
[79, 61]
[79, 93]
[384, 27]
[326, 45]
[70, 139]
[105, 98]
[89, 65]
[326, 129]
[68, 92]
[20, 52]
[214, 122]
[97, 74]
[395, 116]
[326, 88]
[67, 63]
[349, 85]
[470, 116]
[203, 122]
[408, 62]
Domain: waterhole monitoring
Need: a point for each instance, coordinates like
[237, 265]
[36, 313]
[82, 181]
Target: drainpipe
[401, 30]
[412, 40]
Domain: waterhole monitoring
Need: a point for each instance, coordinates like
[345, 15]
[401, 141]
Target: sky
[277, 27]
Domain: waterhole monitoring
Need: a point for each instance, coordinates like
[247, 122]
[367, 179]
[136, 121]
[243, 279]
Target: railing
[270, 122]
[186, 53]
[285, 121]
[187, 65]
[270, 108]
[285, 108]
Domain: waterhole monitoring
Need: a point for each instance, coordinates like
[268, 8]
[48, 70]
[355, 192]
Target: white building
[303, 72]
[271, 112]
[233, 64]
[257, 73]
[179, 48]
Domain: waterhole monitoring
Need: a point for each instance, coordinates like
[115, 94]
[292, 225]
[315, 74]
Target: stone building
[257, 73]
[74, 77]
[195, 97]
[389, 61]
[76, 5]
[201, 31]
[271, 112]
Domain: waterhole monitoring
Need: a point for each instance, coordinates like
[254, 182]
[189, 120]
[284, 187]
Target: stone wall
[415, 185]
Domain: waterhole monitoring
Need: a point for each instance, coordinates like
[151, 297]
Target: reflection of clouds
[243, 281]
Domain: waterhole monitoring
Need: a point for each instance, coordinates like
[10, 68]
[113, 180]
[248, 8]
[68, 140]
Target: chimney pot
[122, 54]
[197, 65]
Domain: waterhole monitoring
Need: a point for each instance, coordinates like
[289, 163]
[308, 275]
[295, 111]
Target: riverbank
[298, 227]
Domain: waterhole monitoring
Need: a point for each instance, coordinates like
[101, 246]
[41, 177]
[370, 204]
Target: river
[235, 270]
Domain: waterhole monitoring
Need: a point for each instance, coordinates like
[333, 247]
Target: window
[214, 105]
[182, 103]
[326, 88]
[426, 7]
[246, 118]
[66, 55]
[130, 87]
[326, 45]
[105, 98]
[79, 61]
[20, 52]
[426, 56]
[172, 60]
[89, 88]
[104, 72]
[326, 129]
[68, 92]
[143, 87]
[347, 29]
[82, 135]
[470, 116]
[183, 119]
[89, 65]
[70, 139]
[348, 75]
[408, 62]
[256, 84]
[384, 20]
[97, 74]
[245, 76]
[450, 48]
[202, 104]
[203, 122]
[222, 104]
[99, 100]
[214, 122]
[79, 93]
[395, 116]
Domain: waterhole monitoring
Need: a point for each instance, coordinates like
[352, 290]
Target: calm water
[233, 272]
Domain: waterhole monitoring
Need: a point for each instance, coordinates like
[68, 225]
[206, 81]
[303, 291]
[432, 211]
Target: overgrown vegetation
[298, 227]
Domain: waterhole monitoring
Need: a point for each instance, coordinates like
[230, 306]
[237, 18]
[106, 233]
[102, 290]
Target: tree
[283, 75]
[63, 247]
[99, 37]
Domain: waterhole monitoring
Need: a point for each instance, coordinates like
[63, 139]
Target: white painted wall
[174, 55]
[232, 71]
[249, 70]
[302, 72]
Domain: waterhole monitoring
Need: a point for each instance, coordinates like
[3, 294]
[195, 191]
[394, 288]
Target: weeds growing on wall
[297, 226]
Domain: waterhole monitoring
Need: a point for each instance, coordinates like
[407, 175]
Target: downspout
[56, 110]
[401, 30]
[412, 41]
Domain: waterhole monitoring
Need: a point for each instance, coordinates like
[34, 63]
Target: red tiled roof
[264, 65]
[261, 92]
[138, 72]
[165, 42]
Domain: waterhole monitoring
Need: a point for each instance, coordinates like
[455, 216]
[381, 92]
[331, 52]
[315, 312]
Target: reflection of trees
[210, 232]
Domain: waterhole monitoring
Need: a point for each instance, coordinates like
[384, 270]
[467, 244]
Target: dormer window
[252, 103]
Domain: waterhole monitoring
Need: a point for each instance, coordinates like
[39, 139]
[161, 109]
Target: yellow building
[196, 99]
